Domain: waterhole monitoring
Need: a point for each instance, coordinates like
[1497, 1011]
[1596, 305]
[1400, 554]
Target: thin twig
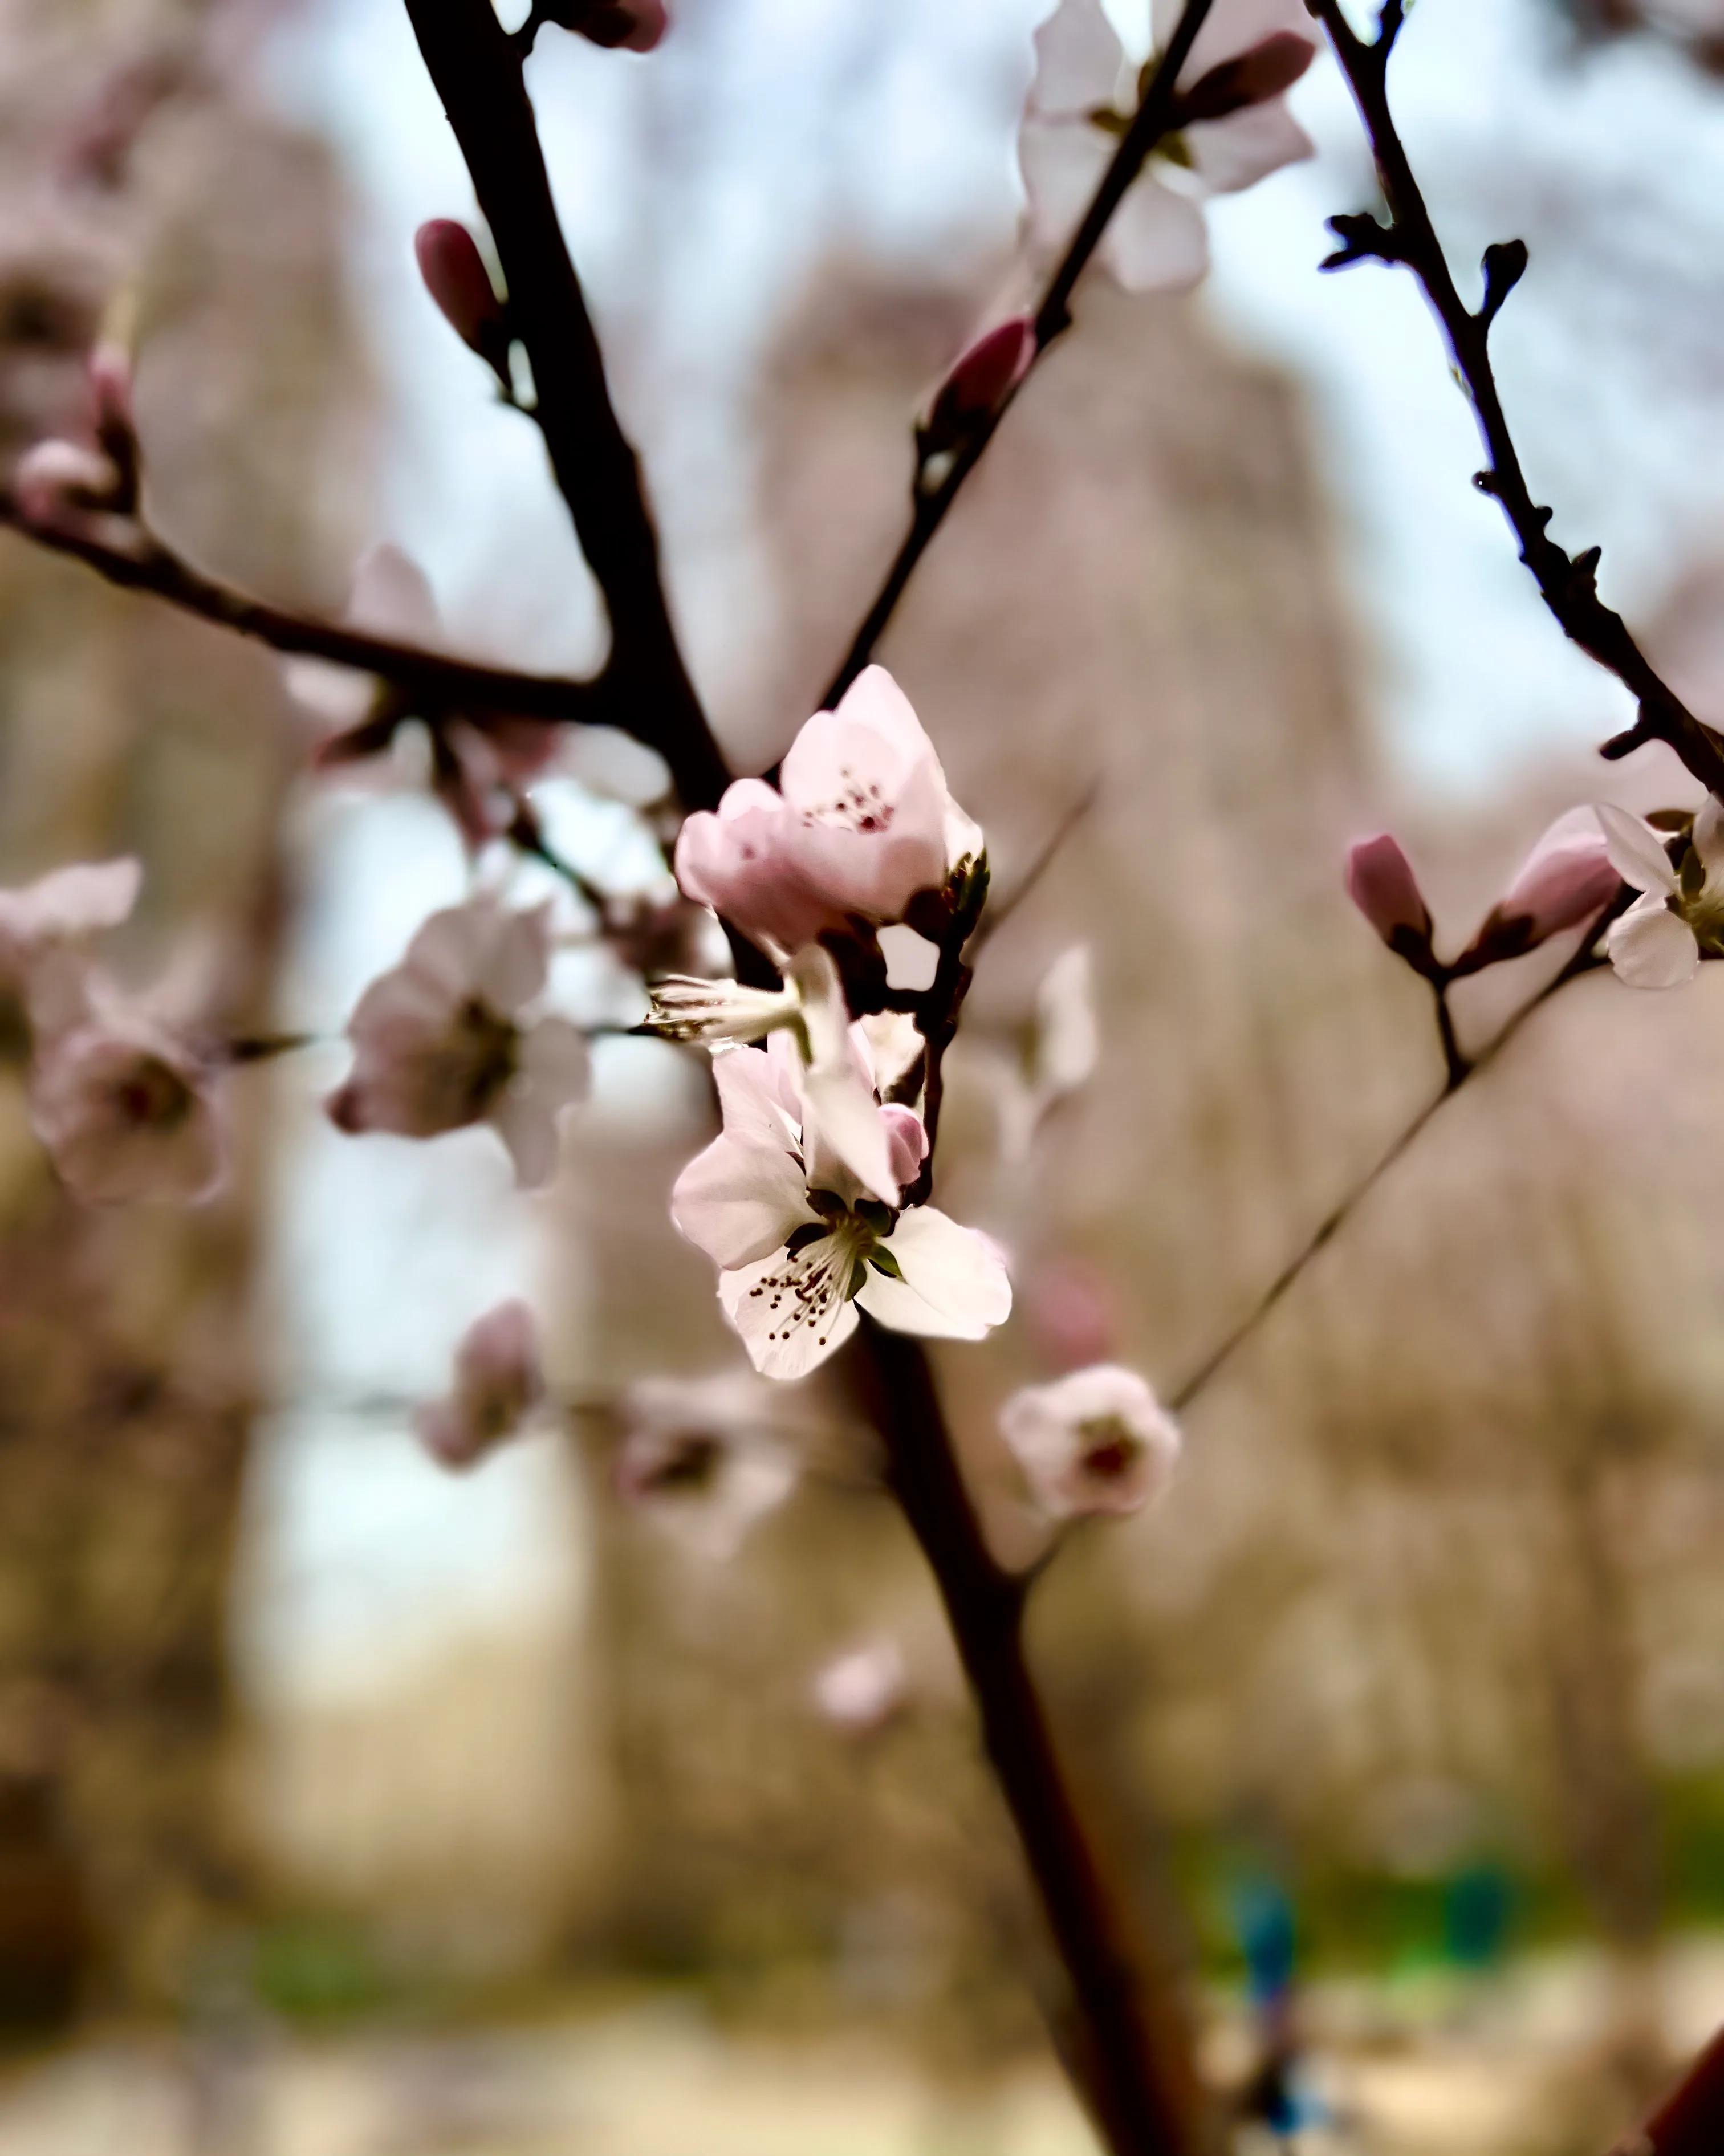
[1567, 583]
[1001, 910]
[1460, 1071]
[476, 69]
[142, 563]
[1156, 115]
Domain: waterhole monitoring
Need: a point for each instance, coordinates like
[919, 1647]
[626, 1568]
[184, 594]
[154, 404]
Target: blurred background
[354, 1809]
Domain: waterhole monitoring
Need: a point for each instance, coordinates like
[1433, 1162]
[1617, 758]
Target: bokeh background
[351, 1809]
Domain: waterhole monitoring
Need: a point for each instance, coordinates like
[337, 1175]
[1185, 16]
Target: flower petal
[1062, 162]
[1247, 146]
[775, 1349]
[392, 596]
[739, 1201]
[1078, 59]
[1651, 948]
[844, 1118]
[527, 1125]
[1709, 836]
[1157, 242]
[1636, 850]
[954, 1283]
[555, 1061]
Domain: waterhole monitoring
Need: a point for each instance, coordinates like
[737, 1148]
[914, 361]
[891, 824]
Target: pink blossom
[1081, 102]
[1072, 1313]
[704, 1459]
[799, 1244]
[1094, 1441]
[63, 906]
[1381, 883]
[863, 1690]
[126, 1107]
[446, 1038]
[864, 821]
[498, 1382]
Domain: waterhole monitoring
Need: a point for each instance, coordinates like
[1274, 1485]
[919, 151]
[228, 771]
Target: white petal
[1637, 851]
[449, 947]
[739, 1200]
[1062, 162]
[825, 1014]
[1651, 948]
[392, 596]
[845, 1120]
[1078, 59]
[528, 1128]
[1232, 27]
[1068, 1041]
[555, 1062]
[756, 1098]
[954, 1287]
[1709, 836]
[778, 1349]
[1157, 242]
[1247, 146]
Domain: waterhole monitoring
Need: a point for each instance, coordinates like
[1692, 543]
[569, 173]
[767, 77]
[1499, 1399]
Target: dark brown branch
[1567, 583]
[1132, 2061]
[476, 69]
[1458, 1071]
[141, 563]
[1690, 2121]
[1157, 114]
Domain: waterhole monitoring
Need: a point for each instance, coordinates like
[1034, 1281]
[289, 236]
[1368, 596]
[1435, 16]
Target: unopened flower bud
[981, 379]
[1248, 78]
[1567, 878]
[634, 26]
[109, 368]
[455, 276]
[56, 478]
[1381, 883]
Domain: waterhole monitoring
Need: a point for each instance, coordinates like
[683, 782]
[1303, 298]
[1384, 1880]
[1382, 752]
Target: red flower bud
[981, 377]
[634, 26]
[1249, 78]
[456, 278]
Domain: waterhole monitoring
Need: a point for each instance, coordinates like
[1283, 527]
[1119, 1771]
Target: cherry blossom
[1096, 1441]
[455, 276]
[1679, 917]
[864, 1689]
[498, 1382]
[704, 1459]
[58, 479]
[1381, 883]
[1077, 111]
[63, 908]
[448, 1038]
[863, 820]
[798, 1245]
[837, 1078]
[125, 1103]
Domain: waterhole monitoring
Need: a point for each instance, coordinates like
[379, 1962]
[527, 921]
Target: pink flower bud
[1567, 878]
[1381, 883]
[1252, 77]
[57, 478]
[457, 280]
[981, 379]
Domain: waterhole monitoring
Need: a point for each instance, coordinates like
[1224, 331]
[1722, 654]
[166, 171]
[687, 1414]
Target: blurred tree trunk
[125, 1367]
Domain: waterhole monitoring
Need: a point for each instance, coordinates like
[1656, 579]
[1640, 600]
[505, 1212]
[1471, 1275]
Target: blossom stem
[1454, 1061]
[1157, 114]
[1567, 583]
[475, 67]
[147, 564]
[1128, 2048]
[1459, 1069]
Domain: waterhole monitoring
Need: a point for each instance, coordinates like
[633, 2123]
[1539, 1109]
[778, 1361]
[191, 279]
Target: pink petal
[1156, 241]
[740, 1201]
[954, 1283]
[776, 1350]
[1078, 59]
[1247, 146]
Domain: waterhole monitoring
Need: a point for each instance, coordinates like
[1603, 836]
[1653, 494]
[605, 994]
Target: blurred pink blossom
[1079, 104]
[703, 1458]
[57, 480]
[498, 1382]
[63, 906]
[864, 821]
[446, 1038]
[861, 1691]
[1381, 883]
[1567, 878]
[1094, 1441]
[799, 1244]
[126, 1107]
